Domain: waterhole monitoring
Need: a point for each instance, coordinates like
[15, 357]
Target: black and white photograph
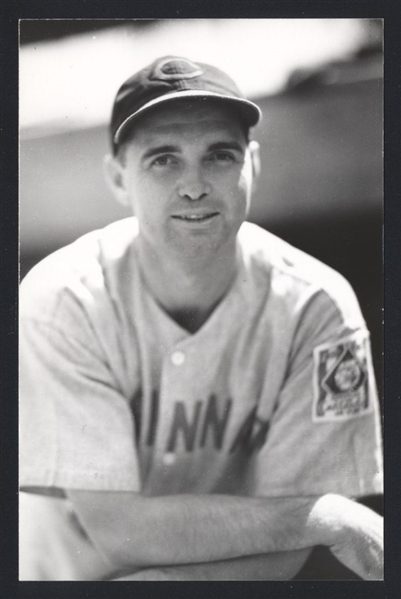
[200, 308]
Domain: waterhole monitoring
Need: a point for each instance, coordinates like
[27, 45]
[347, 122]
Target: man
[197, 396]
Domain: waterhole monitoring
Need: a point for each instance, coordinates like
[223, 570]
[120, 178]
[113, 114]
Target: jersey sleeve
[76, 427]
[324, 434]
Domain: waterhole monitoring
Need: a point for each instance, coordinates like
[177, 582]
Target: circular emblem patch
[347, 375]
[171, 69]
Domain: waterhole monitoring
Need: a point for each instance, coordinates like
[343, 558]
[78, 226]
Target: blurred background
[318, 82]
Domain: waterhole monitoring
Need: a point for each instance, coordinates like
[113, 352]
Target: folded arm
[270, 566]
[133, 531]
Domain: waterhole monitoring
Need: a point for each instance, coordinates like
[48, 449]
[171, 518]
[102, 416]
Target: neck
[188, 289]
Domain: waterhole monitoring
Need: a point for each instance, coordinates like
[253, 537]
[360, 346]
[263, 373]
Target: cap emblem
[171, 69]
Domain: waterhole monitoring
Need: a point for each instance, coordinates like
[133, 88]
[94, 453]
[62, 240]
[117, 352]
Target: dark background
[11, 11]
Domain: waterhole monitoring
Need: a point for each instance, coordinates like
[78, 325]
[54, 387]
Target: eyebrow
[159, 150]
[166, 149]
[226, 145]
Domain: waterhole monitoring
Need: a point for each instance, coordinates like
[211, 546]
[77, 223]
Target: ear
[113, 172]
[255, 160]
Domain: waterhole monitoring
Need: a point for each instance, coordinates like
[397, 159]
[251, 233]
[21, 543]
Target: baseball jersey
[273, 396]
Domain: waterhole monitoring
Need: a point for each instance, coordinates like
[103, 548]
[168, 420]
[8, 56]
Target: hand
[360, 544]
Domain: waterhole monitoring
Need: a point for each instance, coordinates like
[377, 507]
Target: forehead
[184, 117]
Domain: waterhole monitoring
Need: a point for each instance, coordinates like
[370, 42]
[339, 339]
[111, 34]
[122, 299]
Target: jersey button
[178, 358]
[169, 459]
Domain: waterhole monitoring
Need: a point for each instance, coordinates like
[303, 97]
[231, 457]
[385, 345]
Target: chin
[206, 248]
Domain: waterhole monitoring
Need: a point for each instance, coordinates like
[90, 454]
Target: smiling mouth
[194, 218]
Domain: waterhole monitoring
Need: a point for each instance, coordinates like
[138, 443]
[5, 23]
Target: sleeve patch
[341, 379]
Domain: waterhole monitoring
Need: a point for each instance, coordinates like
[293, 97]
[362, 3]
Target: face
[187, 175]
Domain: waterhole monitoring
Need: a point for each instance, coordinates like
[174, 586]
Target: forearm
[187, 529]
[272, 566]
[135, 532]
[212, 528]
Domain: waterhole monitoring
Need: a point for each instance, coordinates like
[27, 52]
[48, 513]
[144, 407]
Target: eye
[164, 160]
[222, 157]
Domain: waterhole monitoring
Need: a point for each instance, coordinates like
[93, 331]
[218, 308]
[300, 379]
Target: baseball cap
[170, 78]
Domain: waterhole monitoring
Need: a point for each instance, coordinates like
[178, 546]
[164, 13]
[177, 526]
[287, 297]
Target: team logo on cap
[171, 69]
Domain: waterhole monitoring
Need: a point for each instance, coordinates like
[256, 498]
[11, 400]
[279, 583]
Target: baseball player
[197, 396]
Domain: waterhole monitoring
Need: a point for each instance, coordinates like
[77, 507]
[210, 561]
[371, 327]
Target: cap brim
[250, 111]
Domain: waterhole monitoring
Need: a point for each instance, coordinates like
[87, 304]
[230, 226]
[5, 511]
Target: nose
[193, 185]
